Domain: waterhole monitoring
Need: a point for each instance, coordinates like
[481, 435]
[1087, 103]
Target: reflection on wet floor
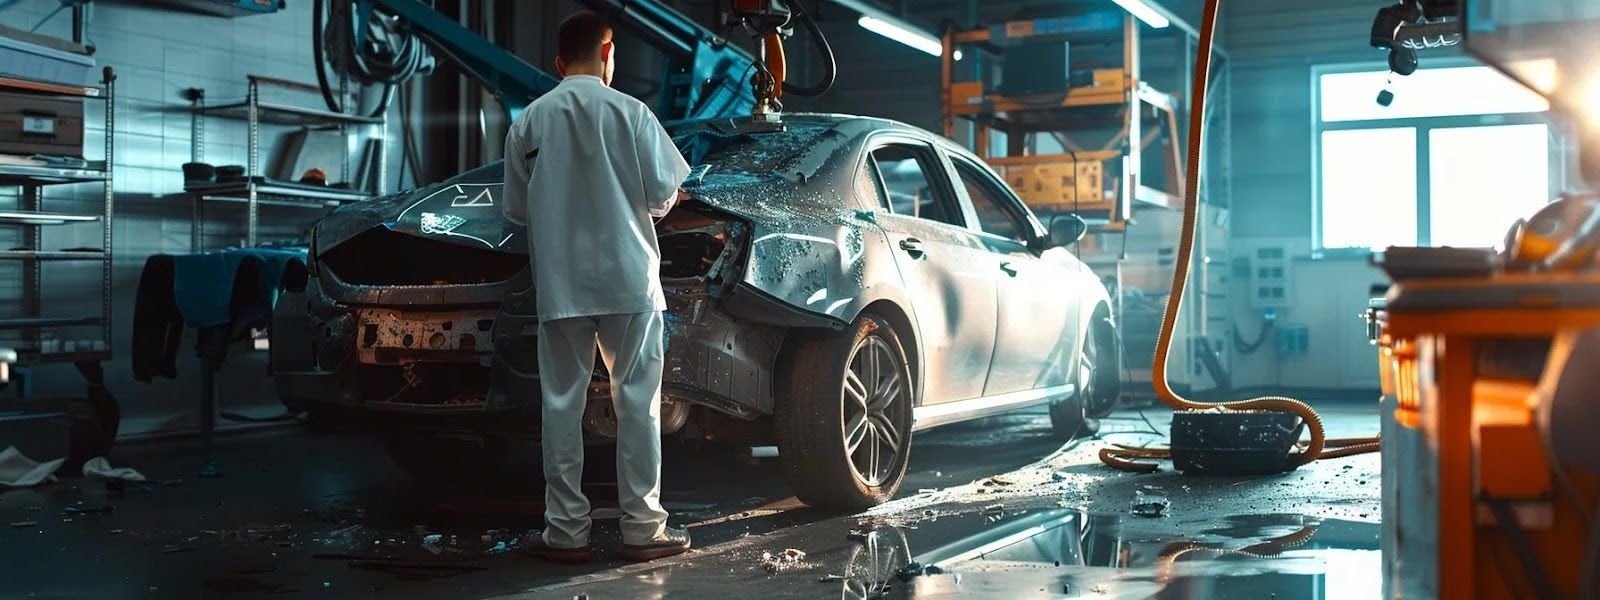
[1048, 553]
[1072, 553]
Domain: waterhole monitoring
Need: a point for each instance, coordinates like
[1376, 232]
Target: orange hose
[1120, 457]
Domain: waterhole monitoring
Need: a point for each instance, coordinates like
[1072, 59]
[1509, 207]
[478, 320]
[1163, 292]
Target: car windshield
[750, 153]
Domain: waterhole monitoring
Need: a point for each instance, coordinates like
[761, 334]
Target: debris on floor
[17, 470]
[1150, 502]
[100, 468]
[910, 571]
[433, 543]
[782, 561]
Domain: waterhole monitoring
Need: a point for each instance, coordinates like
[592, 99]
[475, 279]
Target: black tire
[812, 415]
[1077, 416]
[1107, 369]
[434, 458]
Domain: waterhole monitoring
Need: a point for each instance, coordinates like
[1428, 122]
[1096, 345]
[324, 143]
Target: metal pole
[1131, 175]
[197, 153]
[109, 79]
[77, 23]
[208, 416]
[252, 218]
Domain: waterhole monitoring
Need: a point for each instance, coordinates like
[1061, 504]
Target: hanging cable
[375, 51]
[830, 67]
[1246, 347]
[1319, 446]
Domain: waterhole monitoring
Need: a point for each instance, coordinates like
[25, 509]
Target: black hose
[1245, 347]
[409, 59]
[830, 68]
[317, 23]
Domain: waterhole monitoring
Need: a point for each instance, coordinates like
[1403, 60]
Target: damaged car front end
[419, 308]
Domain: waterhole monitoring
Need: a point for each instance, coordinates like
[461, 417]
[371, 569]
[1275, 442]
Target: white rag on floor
[101, 468]
[17, 470]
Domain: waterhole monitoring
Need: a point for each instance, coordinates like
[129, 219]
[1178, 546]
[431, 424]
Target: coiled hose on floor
[1125, 457]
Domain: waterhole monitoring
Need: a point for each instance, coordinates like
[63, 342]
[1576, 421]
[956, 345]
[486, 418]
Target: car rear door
[1037, 329]
[951, 278]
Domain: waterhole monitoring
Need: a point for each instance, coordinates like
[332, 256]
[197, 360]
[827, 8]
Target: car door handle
[1009, 268]
[912, 246]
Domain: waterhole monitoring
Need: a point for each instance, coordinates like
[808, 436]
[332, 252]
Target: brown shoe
[538, 548]
[671, 543]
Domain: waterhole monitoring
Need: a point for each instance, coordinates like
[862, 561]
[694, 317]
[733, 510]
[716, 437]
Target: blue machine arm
[705, 75]
[513, 80]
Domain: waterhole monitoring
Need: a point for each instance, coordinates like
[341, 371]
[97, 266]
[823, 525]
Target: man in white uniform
[587, 167]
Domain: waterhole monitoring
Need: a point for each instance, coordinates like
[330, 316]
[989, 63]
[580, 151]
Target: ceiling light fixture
[1145, 12]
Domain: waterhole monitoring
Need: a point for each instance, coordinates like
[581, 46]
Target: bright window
[1369, 188]
[1488, 190]
[1426, 93]
[1458, 155]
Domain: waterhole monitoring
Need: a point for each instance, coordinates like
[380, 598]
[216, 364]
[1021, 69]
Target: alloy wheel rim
[873, 384]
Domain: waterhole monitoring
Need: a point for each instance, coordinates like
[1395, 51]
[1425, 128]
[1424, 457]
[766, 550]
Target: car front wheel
[844, 423]
[1070, 417]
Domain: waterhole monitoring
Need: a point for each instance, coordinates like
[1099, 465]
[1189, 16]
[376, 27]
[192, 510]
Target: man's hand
[678, 196]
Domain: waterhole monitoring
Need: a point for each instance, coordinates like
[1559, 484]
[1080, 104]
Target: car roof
[855, 123]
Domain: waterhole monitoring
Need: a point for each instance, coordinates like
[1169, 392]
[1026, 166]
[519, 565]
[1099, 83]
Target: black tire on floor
[812, 415]
[435, 458]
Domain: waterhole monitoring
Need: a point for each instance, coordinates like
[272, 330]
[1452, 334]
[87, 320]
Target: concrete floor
[1000, 507]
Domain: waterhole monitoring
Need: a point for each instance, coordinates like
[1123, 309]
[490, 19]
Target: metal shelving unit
[32, 323]
[256, 191]
[1114, 99]
[1111, 120]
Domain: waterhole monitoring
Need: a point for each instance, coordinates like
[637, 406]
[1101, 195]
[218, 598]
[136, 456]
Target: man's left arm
[662, 166]
[519, 168]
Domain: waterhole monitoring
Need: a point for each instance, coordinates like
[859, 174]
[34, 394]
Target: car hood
[465, 209]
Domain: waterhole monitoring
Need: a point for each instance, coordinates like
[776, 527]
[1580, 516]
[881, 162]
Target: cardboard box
[1062, 184]
[1108, 78]
[37, 124]
[966, 92]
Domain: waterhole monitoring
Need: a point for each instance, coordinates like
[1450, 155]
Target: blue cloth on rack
[203, 283]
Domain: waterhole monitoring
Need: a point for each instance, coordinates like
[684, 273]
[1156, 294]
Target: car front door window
[995, 217]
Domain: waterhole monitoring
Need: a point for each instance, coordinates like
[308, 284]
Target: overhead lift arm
[513, 80]
[705, 75]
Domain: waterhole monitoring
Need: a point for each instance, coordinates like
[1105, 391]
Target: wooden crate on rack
[1065, 185]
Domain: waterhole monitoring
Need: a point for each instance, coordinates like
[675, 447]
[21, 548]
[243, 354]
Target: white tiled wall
[157, 53]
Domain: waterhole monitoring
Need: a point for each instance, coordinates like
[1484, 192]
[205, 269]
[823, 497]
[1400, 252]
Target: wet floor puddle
[1048, 553]
[1070, 553]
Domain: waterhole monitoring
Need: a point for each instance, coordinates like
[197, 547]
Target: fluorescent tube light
[1144, 12]
[904, 34]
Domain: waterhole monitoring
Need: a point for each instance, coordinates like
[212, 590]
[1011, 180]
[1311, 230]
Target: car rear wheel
[844, 423]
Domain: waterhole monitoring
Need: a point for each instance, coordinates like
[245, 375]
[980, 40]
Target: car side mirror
[1066, 230]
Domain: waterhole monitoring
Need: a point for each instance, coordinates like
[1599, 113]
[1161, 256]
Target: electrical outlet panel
[1269, 278]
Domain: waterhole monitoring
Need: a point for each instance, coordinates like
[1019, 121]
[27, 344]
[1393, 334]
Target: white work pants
[631, 347]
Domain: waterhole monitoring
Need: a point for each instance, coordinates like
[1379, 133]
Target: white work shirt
[587, 167]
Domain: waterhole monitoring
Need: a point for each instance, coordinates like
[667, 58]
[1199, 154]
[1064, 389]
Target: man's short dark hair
[581, 36]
